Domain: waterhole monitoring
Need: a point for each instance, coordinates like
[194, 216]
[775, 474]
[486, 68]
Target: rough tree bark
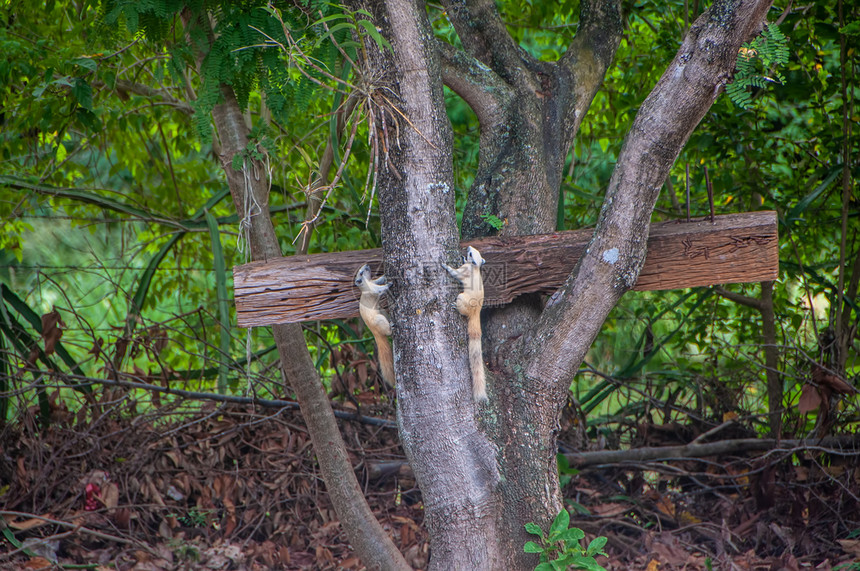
[436, 417]
[485, 471]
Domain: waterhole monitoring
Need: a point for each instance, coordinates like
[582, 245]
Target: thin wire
[100, 267]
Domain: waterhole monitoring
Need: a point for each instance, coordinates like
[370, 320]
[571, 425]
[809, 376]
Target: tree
[487, 470]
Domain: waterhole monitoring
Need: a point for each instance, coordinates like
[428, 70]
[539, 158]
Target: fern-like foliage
[236, 51]
[758, 65]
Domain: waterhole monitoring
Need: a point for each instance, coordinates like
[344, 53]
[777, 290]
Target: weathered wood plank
[734, 248]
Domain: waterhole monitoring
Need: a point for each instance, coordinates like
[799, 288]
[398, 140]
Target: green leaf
[146, 278]
[571, 534]
[6, 369]
[796, 321]
[587, 563]
[852, 29]
[534, 529]
[83, 93]
[560, 524]
[35, 321]
[596, 546]
[371, 30]
[86, 63]
[564, 465]
[803, 204]
[10, 537]
[532, 547]
[23, 343]
[544, 567]
[579, 508]
[492, 220]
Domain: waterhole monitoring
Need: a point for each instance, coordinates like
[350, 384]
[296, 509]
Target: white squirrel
[469, 304]
[376, 319]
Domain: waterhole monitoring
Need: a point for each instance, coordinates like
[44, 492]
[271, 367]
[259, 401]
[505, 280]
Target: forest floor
[236, 488]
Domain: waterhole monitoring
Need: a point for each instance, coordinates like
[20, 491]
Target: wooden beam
[735, 248]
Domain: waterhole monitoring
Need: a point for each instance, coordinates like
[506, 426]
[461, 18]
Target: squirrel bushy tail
[476, 359]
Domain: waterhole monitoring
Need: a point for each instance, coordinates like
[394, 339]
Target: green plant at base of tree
[561, 548]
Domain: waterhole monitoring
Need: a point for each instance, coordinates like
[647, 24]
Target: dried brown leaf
[122, 518]
[110, 495]
[51, 332]
[31, 523]
[38, 563]
[850, 546]
[810, 399]
[97, 347]
[159, 339]
[831, 381]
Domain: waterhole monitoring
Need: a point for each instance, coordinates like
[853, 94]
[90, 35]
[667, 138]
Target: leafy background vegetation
[109, 173]
[118, 235]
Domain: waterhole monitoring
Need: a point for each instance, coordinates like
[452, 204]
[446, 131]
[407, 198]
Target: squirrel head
[473, 256]
[366, 284]
[362, 275]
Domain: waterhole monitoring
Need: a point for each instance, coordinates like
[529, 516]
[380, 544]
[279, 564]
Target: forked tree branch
[478, 85]
[483, 34]
[587, 58]
[614, 257]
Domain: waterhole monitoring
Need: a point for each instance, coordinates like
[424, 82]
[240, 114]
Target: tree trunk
[771, 360]
[486, 471]
[370, 541]
[529, 112]
[453, 461]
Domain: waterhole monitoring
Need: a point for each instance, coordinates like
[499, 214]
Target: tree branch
[366, 535]
[599, 30]
[484, 91]
[846, 445]
[123, 86]
[227, 399]
[739, 298]
[614, 257]
[588, 57]
[833, 445]
[484, 36]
